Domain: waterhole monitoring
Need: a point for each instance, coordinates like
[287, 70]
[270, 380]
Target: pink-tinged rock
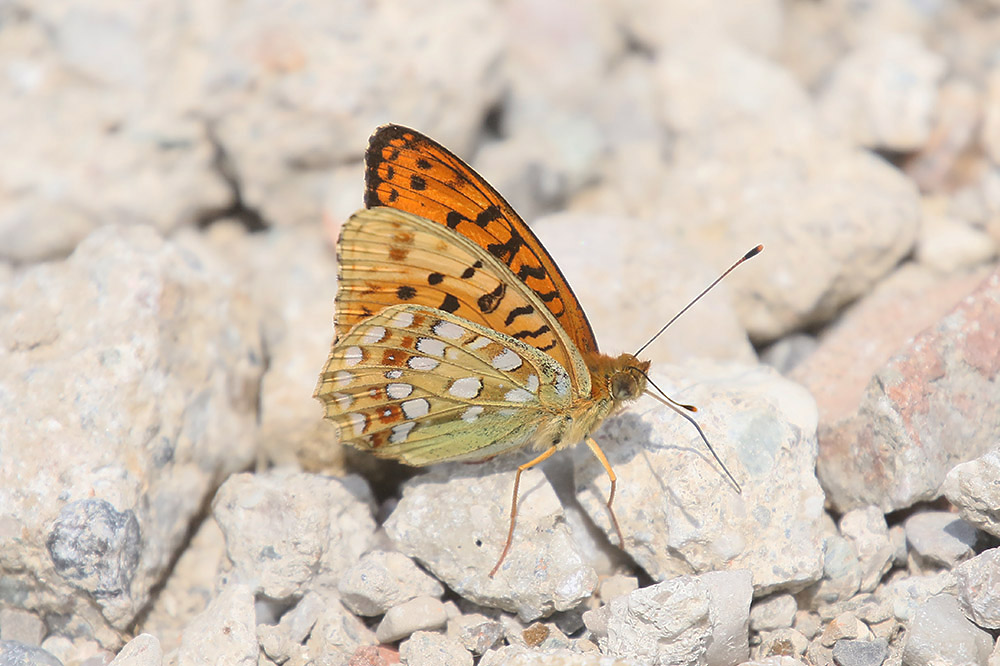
[933, 405]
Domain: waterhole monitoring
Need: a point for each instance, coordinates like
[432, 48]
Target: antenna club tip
[754, 252]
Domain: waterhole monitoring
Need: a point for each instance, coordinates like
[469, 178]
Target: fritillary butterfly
[458, 336]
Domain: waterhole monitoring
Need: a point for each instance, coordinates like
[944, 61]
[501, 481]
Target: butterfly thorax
[614, 381]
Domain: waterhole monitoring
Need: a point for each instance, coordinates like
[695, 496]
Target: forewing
[423, 386]
[387, 257]
[411, 172]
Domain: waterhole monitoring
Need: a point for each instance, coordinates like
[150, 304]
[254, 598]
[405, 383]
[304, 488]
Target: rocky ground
[174, 175]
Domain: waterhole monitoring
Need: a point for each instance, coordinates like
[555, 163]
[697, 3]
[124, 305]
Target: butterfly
[458, 338]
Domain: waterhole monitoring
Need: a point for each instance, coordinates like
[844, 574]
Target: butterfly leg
[611, 496]
[513, 505]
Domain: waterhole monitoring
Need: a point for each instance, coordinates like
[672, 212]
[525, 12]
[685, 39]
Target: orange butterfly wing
[408, 171]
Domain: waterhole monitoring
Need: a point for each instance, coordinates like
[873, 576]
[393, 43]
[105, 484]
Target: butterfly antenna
[749, 255]
[679, 407]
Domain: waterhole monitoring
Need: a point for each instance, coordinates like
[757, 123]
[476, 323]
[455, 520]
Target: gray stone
[762, 427]
[135, 400]
[841, 571]
[940, 537]
[337, 634]
[287, 532]
[868, 533]
[224, 633]
[143, 650]
[978, 582]
[907, 594]
[476, 632]
[14, 653]
[21, 626]
[425, 648]
[683, 620]
[941, 635]
[381, 580]
[452, 521]
[418, 614]
[95, 547]
[972, 487]
[774, 612]
[860, 653]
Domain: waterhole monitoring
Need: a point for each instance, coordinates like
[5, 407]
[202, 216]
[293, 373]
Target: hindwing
[422, 386]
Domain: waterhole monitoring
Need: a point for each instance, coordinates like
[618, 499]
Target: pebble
[425, 648]
[860, 653]
[774, 612]
[973, 489]
[476, 632]
[978, 582]
[941, 634]
[381, 580]
[940, 538]
[420, 614]
[21, 626]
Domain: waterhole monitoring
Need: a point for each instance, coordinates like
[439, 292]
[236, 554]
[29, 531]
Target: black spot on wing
[417, 183]
[405, 292]
[449, 304]
[435, 278]
[488, 302]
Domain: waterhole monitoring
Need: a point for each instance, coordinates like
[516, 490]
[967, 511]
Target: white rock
[773, 612]
[979, 588]
[21, 626]
[940, 537]
[972, 487]
[224, 633]
[285, 533]
[518, 655]
[941, 634]
[381, 580]
[907, 594]
[143, 650]
[454, 520]
[135, 400]
[425, 648]
[418, 614]
[676, 508]
[612, 271]
[834, 220]
[688, 619]
[284, 640]
[950, 246]
[868, 533]
[337, 634]
[14, 652]
[884, 94]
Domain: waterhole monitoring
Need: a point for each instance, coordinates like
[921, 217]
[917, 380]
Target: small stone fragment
[867, 531]
[940, 537]
[807, 623]
[22, 626]
[476, 632]
[425, 648]
[615, 586]
[844, 626]
[774, 612]
[941, 634]
[782, 643]
[143, 650]
[979, 588]
[418, 614]
[860, 653]
[972, 487]
[225, 633]
[381, 580]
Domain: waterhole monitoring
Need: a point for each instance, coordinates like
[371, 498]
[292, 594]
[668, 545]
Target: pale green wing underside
[424, 386]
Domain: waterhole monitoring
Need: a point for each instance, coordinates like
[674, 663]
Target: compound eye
[624, 386]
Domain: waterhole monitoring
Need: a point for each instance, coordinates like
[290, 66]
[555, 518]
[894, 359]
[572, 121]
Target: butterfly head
[626, 378]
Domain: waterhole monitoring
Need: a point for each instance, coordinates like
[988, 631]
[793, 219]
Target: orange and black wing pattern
[408, 171]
